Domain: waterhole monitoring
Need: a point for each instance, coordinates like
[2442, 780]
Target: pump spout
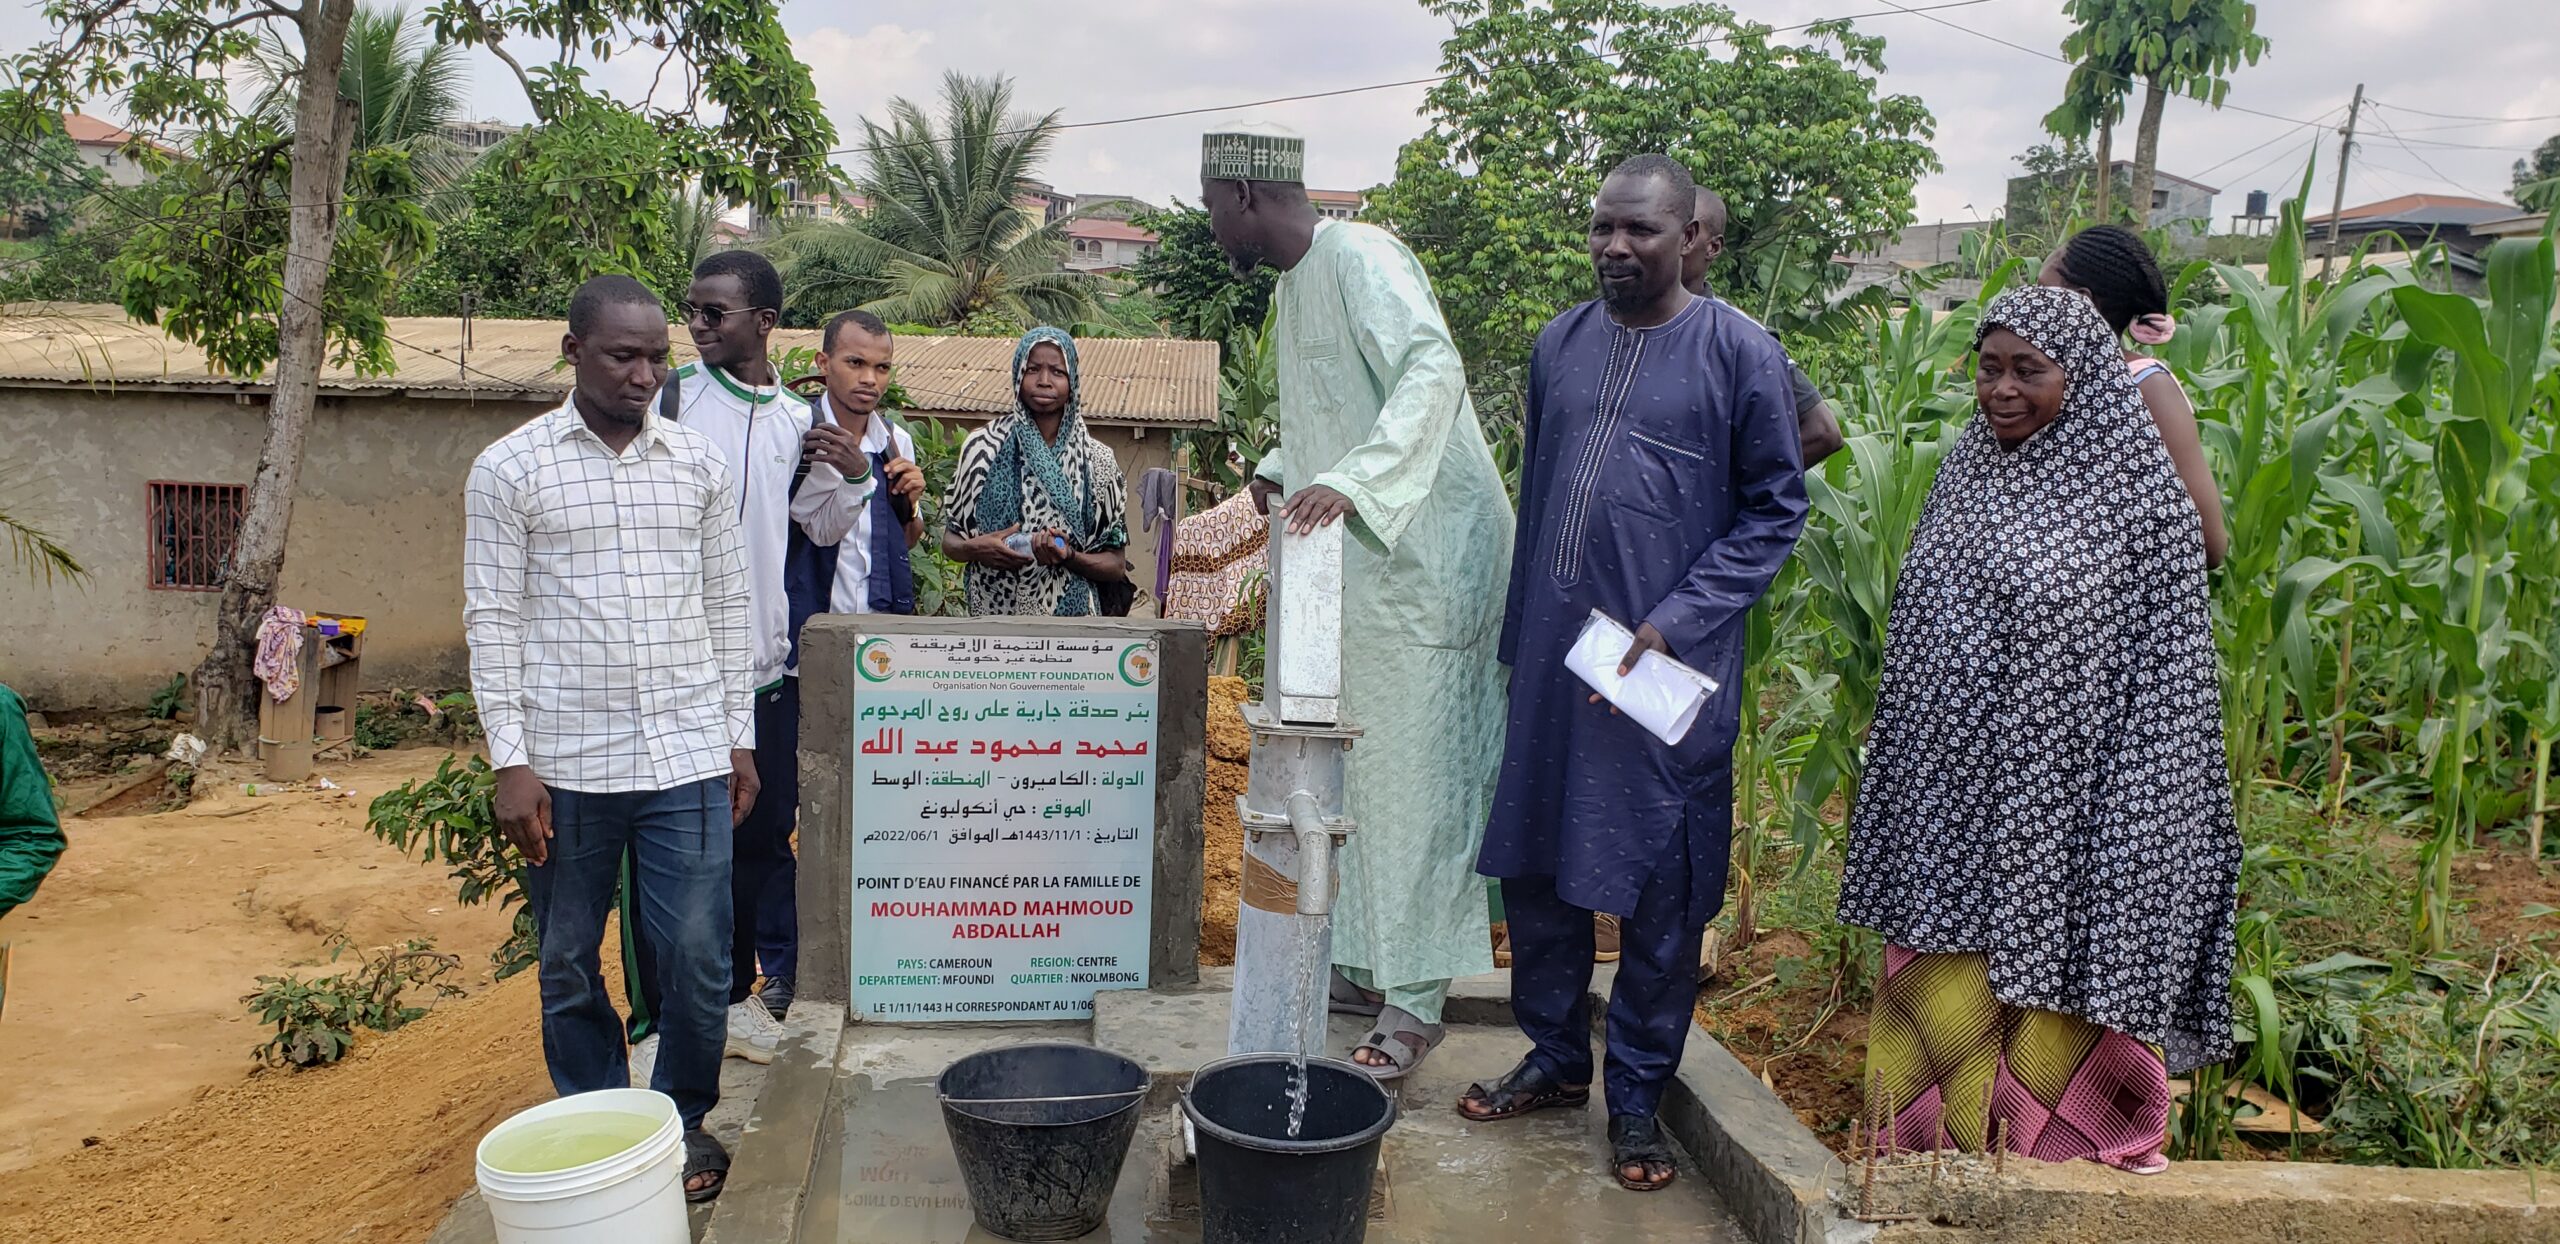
[1315, 856]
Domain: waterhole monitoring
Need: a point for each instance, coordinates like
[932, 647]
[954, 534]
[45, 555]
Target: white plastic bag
[1661, 694]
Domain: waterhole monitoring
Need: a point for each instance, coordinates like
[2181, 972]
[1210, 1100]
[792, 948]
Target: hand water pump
[1292, 810]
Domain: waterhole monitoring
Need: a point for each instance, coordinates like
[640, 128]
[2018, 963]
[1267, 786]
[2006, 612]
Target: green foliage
[939, 593]
[1248, 410]
[1495, 196]
[1201, 295]
[2173, 47]
[2184, 46]
[449, 819]
[171, 697]
[209, 265]
[2056, 191]
[403, 85]
[2537, 178]
[945, 241]
[39, 554]
[43, 173]
[2387, 621]
[316, 1021]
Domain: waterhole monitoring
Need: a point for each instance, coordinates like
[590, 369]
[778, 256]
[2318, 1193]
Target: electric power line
[2058, 59]
[2423, 161]
[2308, 149]
[2318, 120]
[2456, 116]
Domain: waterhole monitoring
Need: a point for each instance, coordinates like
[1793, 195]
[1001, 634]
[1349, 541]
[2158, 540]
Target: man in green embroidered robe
[1376, 431]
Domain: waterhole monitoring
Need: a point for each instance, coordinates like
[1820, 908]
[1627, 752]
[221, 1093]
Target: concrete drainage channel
[845, 1144]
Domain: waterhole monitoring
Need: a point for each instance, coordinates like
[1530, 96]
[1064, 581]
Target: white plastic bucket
[633, 1197]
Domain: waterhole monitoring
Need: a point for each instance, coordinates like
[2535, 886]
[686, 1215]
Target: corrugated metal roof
[1159, 381]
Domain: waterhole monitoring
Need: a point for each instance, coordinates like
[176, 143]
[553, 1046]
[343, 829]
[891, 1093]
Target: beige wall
[377, 529]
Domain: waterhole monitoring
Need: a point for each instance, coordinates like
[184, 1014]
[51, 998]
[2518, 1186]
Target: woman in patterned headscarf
[2044, 834]
[1037, 476]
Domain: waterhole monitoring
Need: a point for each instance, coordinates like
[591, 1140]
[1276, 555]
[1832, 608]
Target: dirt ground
[125, 1028]
[376, 1148]
[1751, 1009]
[128, 967]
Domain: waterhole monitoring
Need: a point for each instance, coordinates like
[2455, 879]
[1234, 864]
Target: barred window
[192, 530]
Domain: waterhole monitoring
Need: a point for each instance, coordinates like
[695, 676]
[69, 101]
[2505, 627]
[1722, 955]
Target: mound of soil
[127, 969]
[376, 1148]
[1230, 747]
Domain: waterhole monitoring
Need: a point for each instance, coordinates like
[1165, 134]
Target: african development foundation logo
[1138, 664]
[873, 659]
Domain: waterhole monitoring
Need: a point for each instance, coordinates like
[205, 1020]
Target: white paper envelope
[1662, 695]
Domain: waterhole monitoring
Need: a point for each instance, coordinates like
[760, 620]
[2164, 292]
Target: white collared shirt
[605, 602]
[758, 430]
[852, 591]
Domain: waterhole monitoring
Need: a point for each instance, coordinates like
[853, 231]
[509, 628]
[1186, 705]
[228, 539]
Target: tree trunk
[2146, 150]
[2106, 170]
[324, 127]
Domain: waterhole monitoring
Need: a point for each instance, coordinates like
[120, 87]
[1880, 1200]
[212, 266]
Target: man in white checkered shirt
[605, 599]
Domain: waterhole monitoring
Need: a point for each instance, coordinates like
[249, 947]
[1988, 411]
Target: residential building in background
[1053, 205]
[477, 136]
[2466, 226]
[108, 148]
[1338, 204]
[153, 450]
[1112, 206]
[1103, 245]
[1885, 259]
[2414, 220]
[807, 201]
[2182, 205]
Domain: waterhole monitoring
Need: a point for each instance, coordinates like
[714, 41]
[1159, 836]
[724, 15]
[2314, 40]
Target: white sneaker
[754, 1034]
[644, 1060]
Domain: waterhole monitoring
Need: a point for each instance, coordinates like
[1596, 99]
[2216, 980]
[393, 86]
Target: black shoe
[777, 995]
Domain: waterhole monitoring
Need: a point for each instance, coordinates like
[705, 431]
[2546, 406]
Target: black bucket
[1260, 1186]
[1041, 1131]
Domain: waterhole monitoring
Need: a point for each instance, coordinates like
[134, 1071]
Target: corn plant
[2495, 348]
[1902, 413]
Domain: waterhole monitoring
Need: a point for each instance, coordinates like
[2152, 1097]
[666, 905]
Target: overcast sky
[1099, 63]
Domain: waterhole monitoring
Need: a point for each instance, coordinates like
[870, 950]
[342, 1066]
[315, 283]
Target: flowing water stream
[1307, 973]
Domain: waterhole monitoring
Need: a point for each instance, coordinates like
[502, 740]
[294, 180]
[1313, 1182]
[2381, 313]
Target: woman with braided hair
[2112, 265]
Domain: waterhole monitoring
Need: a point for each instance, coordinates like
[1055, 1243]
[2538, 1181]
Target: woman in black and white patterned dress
[2044, 835]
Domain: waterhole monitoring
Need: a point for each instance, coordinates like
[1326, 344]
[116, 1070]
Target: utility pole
[2338, 199]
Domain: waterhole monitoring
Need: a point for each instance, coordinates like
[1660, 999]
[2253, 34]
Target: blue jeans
[678, 842]
[763, 875]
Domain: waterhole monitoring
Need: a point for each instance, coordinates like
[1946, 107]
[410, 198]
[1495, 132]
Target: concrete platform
[884, 1172]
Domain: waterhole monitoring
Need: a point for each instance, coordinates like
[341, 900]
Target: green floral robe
[1373, 403]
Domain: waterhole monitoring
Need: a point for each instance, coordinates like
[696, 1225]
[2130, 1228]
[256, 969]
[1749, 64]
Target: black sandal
[1524, 1088]
[704, 1155]
[1636, 1140]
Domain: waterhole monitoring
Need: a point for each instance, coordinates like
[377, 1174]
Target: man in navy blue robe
[1663, 487]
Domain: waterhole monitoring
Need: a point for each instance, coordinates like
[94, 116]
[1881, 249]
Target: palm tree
[404, 83]
[944, 242]
[39, 554]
